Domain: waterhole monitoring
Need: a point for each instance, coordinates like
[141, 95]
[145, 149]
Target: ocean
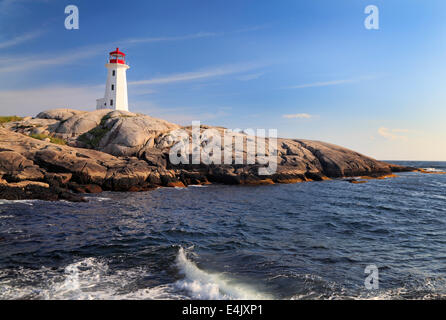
[296, 241]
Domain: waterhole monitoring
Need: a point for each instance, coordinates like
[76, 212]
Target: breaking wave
[92, 279]
[28, 202]
[203, 285]
[100, 199]
[87, 279]
[433, 169]
[284, 243]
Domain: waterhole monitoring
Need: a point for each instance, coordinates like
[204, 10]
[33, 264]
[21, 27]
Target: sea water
[298, 241]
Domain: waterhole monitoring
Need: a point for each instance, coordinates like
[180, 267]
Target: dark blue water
[299, 241]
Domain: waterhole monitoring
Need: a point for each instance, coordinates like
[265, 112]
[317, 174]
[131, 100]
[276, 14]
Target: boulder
[35, 190]
[127, 133]
[337, 161]
[93, 188]
[15, 167]
[85, 170]
[58, 178]
[80, 123]
[125, 151]
[58, 114]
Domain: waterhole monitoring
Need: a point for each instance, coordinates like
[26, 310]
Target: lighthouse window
[113, 73]
[111, 102]
[113, 87]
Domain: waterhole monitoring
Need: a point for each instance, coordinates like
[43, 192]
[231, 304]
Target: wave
[203, 285]
[92, 279]
[100, 199]
[427, 289]
[87, 279]
[28, 202]
[433, 169]
[191, 186]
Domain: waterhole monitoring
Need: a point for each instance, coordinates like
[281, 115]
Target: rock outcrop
[123, 151]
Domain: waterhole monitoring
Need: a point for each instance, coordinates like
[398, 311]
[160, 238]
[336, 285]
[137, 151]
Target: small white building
[116, 87]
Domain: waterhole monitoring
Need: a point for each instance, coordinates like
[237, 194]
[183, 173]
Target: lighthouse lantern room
[116, 87]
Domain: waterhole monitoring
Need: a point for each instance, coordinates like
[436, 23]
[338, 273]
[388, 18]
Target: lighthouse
[116, 87]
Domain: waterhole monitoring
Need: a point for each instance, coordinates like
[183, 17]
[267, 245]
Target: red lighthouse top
[117, 57]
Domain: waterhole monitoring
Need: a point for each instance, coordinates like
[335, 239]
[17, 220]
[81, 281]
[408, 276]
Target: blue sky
[308, 68]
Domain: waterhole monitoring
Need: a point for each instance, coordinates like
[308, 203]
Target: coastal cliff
[63, 153]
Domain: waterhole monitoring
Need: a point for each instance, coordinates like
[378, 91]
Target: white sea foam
[433, 169]
[203, 285]
[86, 279]
[28, 202]
[91, 278]
[100, 199]
[429, 290]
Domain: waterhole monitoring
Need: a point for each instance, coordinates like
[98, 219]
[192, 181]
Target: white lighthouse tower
[116, 86]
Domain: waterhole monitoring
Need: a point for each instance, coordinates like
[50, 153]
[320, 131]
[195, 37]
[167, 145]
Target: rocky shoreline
[62, 154]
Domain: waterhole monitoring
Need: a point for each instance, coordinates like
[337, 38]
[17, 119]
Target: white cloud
[29, 102]
[20, 39]
[400, 130]
[392, 134]
[139, 91]
[196, 75]
[252, 76]
[298, 116]
[330, 83]
[180, 115]
[24, 63]
[29, 62]
[173, 38]
[192, 36]
[322, 84]
[15, 7]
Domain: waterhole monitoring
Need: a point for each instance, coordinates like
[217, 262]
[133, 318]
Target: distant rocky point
[63, 153]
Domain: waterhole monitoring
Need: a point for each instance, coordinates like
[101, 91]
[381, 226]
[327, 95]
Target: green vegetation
[10, 119]
[52, 139]
[93, 137]
[105, 118]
